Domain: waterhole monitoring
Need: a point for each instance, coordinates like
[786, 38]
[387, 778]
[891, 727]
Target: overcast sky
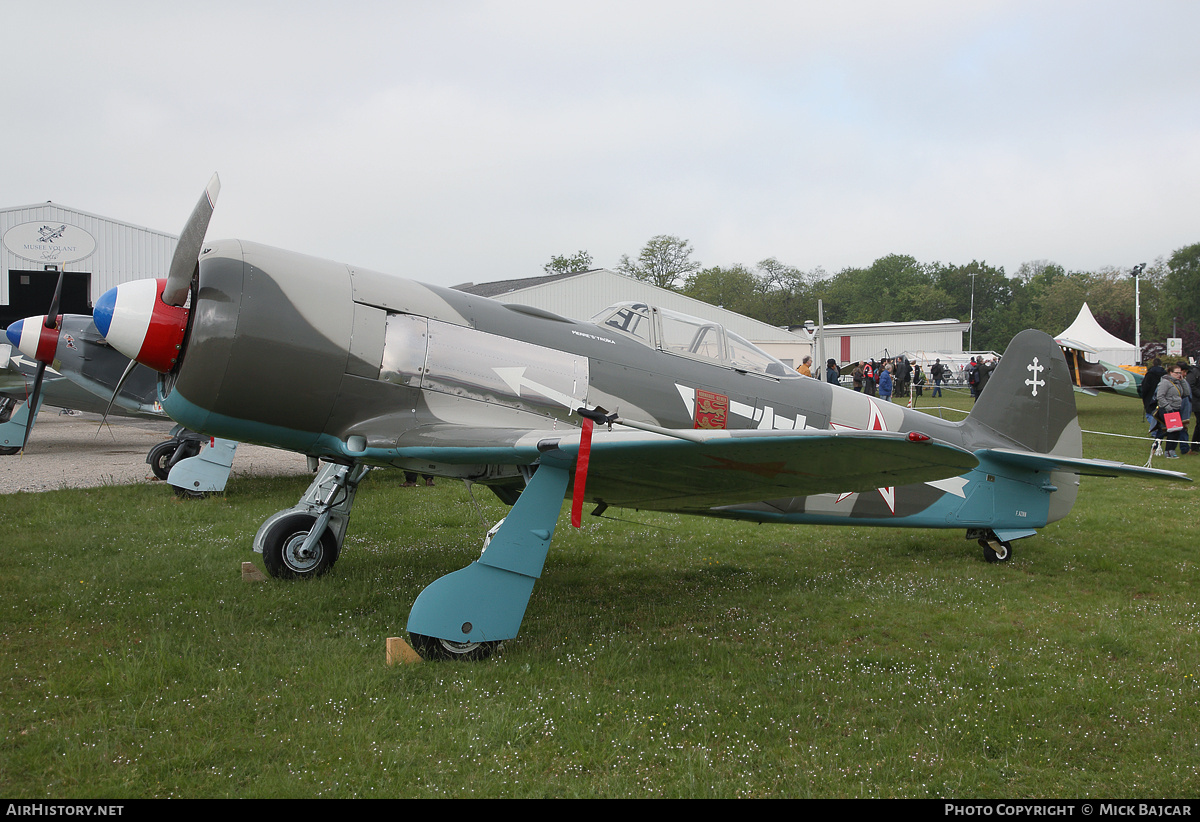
[470, 141]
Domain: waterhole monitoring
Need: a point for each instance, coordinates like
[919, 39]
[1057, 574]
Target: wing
[637, 469]
[1077, 346]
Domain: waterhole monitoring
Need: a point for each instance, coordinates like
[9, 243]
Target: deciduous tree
[664, 261]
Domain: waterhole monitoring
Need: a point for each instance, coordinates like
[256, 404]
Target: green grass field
[671, 656]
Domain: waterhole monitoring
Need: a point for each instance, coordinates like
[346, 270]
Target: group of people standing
[891, 376]
[1168, 391]
[978, 374]
[895, 376]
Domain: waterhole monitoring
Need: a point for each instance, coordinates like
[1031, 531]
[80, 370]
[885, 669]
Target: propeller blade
[39, 341]
[124, 376]
[191, 241]
[52, 314]
[35, 403]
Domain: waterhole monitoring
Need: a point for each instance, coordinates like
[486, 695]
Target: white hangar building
[96, 253]
[851, 343]
[582, 295]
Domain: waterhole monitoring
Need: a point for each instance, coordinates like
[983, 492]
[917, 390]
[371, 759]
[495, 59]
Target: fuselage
[312, 353]
[354, 365]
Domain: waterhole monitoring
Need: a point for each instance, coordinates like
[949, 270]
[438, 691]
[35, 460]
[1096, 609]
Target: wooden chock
[250, 573]
[400, 652]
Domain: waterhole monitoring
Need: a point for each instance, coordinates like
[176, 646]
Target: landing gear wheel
[160, 458]
[188, 493]
[431, 647]
[284, 554]
[996, 551]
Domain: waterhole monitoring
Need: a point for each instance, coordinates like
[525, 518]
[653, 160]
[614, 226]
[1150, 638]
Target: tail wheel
[431, 647]
[996, 551]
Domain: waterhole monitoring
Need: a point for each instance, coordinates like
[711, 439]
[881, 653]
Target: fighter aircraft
[642, 408]
[79, 370]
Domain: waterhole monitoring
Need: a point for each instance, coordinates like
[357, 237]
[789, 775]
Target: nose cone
[32, 338]
[14, 333]
[141, 326]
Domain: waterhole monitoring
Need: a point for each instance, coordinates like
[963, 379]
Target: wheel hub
[296, 557]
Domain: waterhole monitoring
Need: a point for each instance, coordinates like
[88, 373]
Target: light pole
[971, 333]
[1136, 273]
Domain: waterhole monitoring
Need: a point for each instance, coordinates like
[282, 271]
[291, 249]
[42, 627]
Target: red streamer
[581, 466]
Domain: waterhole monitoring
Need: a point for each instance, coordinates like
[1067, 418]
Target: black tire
[996, 552]
[8, 451]
[283, 541]
[188, 493]
[160, 458]
[431, 647]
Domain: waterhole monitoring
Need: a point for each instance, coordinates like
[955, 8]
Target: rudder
[1029, 401]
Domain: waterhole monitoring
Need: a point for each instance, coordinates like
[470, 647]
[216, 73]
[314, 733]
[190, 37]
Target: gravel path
[67, 452]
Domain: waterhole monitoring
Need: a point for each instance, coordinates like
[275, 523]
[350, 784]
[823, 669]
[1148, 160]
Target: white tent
[1087, 331]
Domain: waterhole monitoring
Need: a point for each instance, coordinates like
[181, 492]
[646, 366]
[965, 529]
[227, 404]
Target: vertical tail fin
[1029, 401]
[1029, 405]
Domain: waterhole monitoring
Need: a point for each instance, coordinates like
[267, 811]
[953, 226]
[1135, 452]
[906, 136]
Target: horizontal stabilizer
[1077, 465]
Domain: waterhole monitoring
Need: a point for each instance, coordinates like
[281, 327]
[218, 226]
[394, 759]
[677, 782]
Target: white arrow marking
[688, 395]
[514, 378]
[21, 359]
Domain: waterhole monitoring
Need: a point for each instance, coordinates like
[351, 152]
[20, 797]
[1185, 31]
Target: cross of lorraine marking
[1035, 368]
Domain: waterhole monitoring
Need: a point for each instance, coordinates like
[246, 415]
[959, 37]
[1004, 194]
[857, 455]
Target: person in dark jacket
[1193, 381]
[984, 373]
[832, 375]
[1148, 388]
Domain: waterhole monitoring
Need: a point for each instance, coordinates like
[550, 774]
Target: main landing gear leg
[206, 471]
[306, 540]
[466, 614]
[12, 429]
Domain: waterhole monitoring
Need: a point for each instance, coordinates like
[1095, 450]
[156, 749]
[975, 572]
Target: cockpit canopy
[687, 336]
